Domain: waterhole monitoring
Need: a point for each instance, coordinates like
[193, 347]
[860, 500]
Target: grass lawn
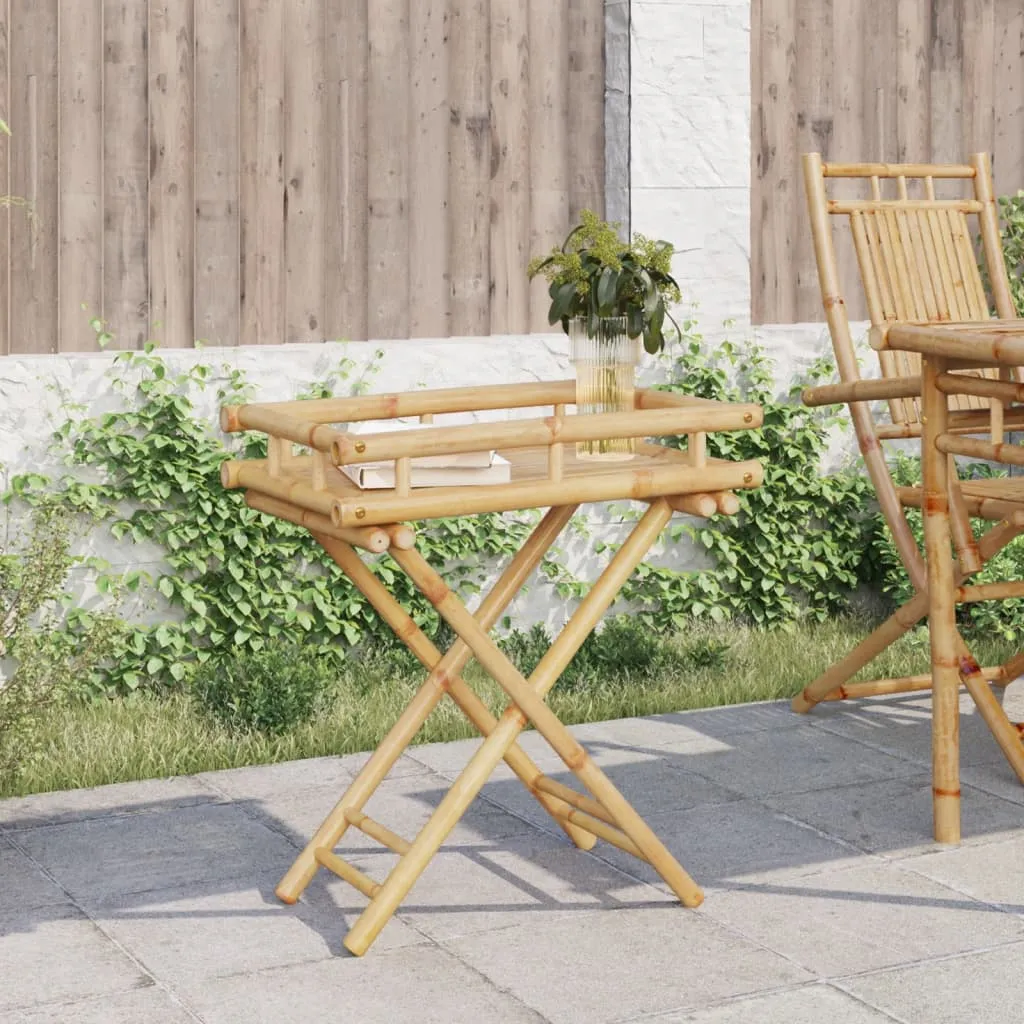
[144, 737]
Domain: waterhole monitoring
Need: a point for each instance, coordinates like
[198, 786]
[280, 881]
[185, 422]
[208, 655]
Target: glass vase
[605, 365]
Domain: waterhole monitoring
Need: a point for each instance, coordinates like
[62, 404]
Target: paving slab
[259, 781]
[621, 964]
[812, 1004]
[189, 935]
[993, 873]
[103, 801]
[973, 989]
[894, 817]
[419, 985]
[55, 954]
[736, 841]
[29, 885]
[861, 918]
[99, 858]
[150, 1005]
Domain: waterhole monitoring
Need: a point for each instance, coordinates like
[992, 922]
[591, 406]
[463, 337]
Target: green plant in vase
[608, 294]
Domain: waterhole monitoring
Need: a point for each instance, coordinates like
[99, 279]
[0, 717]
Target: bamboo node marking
[938, 791]
[968, 666]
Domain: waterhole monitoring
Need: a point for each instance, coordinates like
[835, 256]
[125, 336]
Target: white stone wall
[690, 145]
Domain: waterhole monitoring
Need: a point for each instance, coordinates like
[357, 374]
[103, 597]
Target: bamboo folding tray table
[309, 489]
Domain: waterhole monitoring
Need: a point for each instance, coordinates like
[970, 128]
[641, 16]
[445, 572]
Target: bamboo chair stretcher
[307, 489]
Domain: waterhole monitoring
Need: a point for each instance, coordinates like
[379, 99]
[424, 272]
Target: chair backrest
[915, 253]
[917, 262]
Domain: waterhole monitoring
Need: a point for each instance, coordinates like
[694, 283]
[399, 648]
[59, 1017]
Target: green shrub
[42, 663]
[269, 691]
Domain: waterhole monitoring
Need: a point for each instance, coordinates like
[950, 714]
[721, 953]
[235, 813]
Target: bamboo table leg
[632, 833]
[429, 695]
[941, 612]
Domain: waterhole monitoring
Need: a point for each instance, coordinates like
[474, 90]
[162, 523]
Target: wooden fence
[856, 80]
[261, 171]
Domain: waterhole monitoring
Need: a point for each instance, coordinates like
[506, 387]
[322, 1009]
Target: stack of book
[466, 469]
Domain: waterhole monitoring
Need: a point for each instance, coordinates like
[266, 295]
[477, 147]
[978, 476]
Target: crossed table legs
[605, 813]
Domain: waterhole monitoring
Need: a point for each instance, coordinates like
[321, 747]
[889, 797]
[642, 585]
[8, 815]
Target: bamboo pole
[982, 387]
[369, 538]
[235, 418]
[941, 613]
[848, 206]
[1013, 454]
[701, 505]
[349, 872]
[430, 693]
[473, 437]
[375, 508]
[977, 346]
[846, 361]
[458, 798]
[863, 391]
[887, 170]
[556, 453]
[253, 477]
[902, 684]
[960, 524]
[375, 830]
[990, 238]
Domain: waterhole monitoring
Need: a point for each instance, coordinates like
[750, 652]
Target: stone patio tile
[689, 726]
[55, 954]
[904, 728]
[974, 989]
[449, 759]
[861, 919]
[402, 804]
[997, 778]
[811, 1004]
[418, 985]
[534, 879]
[618, 964]
[651, 786]
[100, 858]
[103, 801]
[791, 761]
[895, 817]
[22, 884]
[993, 873]
[735, 841]
[258, 781]
[150, 1005]
[190, 934]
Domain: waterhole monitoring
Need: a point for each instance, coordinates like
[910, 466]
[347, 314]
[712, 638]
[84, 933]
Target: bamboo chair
[917, 263]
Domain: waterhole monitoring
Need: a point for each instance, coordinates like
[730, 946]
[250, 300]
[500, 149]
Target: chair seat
[997, 498]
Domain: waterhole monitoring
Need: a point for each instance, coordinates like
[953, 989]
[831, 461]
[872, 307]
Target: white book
[373, 476]
[477, 460]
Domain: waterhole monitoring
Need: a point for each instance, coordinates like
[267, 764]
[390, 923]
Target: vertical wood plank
[469, 168]
[510, 168]
[388, 169]
[125, 173]
[757, 206]
[171, 177]
[5, 182]
[429, 279]
[34, 169]
[346, 257]
[814, 126]
[217, 282]
[262, 185]
[1008, 85]
[549, 151]
[947, 87]
[880, 24]
[979, 43]
[913, 81]
[304, 171]
[778, 186]
[586, 103]
[81, 174]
